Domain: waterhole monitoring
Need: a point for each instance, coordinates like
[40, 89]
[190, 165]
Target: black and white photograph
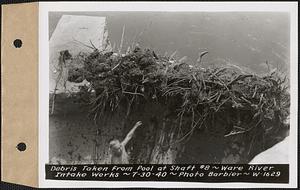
[169, 88]
[166, 88]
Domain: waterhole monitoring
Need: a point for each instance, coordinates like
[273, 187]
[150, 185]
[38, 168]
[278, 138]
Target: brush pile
[186, 91]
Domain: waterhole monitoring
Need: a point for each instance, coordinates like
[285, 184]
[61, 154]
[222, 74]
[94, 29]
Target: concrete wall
[75, 138]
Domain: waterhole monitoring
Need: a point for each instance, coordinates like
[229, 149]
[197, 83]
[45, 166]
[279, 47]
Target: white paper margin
[45, 7]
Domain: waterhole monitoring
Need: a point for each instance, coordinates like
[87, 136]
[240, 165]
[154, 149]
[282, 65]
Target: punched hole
[17, 43]
[21, 146]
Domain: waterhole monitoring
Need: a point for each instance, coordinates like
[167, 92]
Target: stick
[173, 54]
[93, 45]
[82, 43]
[122, 39]
[136, 93]
[233, 133]
[200, 56]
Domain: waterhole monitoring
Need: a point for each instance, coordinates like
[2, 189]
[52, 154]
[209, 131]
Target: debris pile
[249, 103]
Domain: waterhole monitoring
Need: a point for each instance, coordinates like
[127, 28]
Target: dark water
[244, 39]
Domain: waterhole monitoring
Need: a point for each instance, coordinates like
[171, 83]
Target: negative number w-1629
[271, 174]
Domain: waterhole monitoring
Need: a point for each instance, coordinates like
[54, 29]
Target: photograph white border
[46, 7]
